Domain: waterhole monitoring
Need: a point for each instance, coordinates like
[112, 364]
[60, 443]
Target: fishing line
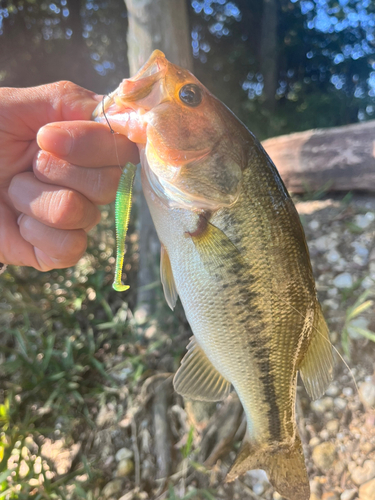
[112, 131]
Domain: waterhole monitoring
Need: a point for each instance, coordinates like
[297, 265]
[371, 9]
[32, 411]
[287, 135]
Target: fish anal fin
[167, 279]
[284, 465]
[197, 378]
[316, 368]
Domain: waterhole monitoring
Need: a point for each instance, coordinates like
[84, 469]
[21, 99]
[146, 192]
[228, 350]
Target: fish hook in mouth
[101, 108]
[136, 88]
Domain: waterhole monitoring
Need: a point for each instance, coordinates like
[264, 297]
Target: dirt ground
[154, 445]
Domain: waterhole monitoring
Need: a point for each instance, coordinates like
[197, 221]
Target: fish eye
[191, 94]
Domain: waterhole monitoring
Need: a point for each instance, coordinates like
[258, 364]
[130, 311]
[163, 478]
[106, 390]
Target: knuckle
[72, 247]
[69, 211]
[105, 185]
[64, 86]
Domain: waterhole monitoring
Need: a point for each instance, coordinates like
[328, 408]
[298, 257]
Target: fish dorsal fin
[167, 279]
[197, 378]
[317, 365]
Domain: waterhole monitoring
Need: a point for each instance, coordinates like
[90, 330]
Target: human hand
[49, 197]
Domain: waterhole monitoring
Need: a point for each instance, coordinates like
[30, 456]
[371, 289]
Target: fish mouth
[134, 97]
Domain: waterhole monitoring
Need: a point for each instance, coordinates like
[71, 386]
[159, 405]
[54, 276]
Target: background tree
[163, 25]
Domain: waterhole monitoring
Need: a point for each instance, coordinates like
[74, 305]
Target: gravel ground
[153, 445]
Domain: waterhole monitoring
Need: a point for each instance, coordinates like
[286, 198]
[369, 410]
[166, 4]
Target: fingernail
[40, 159]
[19, 218]
[54, 139]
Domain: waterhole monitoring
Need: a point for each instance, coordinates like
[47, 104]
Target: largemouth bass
[233, 249]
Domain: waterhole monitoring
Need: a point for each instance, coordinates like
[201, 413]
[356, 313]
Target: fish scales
[234, 250]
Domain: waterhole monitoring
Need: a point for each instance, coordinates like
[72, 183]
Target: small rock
[258, 488]
[361, 475]
[332, 256]
[347, 391]
[123, 453]
[259, 480]
[333, 427]
[364, 221]
[331, 304]
[125, 467]
[367, 394]
[343, 280]
[361, 261]
[324, 455]
[314, 225]
[367, 447]
[258, 475]
[112, 488]
[128, 496]
[322, 405]
[314, 441]
[332, 292]
[324, 435]
[333, 391]
[330, 495]
[339, 467]
[367, 491]
[324, 243]
[348, 494]
[340, 403]
[360, 250]
[367, 283]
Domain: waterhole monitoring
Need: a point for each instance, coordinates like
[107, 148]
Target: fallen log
[339, 158]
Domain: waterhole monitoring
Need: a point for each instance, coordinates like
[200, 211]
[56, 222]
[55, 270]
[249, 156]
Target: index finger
[87, 144]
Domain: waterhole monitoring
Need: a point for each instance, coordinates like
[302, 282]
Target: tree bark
[163, 25]
[340, 158]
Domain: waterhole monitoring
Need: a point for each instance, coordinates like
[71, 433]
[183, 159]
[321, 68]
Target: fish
[234, 250]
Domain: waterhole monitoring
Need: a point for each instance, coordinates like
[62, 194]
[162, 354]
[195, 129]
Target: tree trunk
[339, 158]
[154, 24]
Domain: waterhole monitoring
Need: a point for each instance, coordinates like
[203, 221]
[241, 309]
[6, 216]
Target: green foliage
[324, 59]
[186, 450]
[361, 305]
[56, 330]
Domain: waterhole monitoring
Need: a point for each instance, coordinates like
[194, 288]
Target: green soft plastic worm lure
[122, 214]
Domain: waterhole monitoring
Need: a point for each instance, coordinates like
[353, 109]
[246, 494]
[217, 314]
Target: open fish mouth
[138, 94]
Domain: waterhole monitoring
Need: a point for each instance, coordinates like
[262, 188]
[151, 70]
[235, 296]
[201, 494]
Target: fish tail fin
[284, 464]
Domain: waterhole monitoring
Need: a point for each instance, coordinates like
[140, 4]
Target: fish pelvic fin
[316, 368]
[283, 463]
[197, 378]
[167, 279]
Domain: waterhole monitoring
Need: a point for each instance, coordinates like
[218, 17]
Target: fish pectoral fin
[317, 365]
[167, 279]
[217, 252]
[197, 378]
[285, 467]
